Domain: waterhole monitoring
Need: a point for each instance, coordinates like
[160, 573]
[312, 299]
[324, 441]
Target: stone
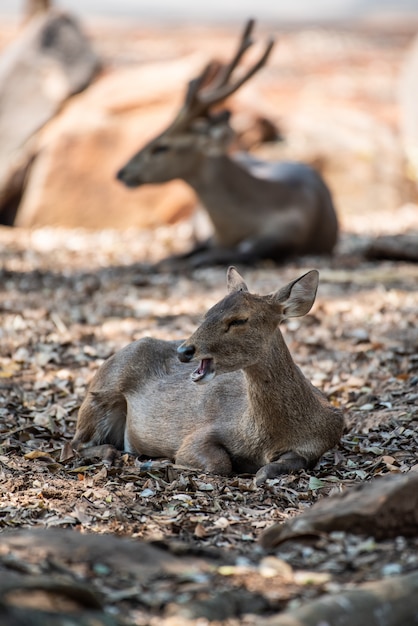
[49, 61]
[383, 507]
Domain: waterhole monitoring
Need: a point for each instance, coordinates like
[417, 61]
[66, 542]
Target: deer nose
[185, 353]
[120, 175]
[128, 178]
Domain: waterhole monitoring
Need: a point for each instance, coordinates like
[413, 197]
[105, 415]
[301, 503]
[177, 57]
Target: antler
[213, 84]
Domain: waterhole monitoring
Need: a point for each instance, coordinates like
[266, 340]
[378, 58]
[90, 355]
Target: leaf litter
[358, 345]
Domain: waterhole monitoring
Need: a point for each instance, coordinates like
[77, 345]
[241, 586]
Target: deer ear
[297, 297]
[234, 281]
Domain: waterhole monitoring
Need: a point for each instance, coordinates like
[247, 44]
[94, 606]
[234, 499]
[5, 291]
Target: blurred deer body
[258, 414]
[258, 209]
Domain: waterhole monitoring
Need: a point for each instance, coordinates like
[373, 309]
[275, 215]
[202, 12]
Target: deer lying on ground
[260, 414]
[258, 209]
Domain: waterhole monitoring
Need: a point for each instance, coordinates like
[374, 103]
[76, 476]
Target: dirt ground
[69, 299]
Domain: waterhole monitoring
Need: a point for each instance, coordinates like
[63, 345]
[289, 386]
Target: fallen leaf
[199, 531]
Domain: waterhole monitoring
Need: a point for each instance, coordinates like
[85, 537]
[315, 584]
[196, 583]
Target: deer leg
[246, 253]
[275, 247]
[202, 450]
[287, 463]
[106, 452]
[100, 427]
[203, 257]
[178, 262]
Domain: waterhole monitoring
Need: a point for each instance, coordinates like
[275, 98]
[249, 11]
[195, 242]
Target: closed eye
[237, 322]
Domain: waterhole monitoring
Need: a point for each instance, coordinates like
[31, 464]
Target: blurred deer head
[198, 131]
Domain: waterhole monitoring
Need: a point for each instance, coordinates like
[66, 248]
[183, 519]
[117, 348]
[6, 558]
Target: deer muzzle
[206, 370]
[128, 177]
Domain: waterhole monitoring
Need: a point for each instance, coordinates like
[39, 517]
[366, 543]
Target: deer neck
[228, 192]
[218, 175]
[275, 385]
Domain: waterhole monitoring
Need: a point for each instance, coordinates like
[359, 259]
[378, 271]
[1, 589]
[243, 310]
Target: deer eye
[236, 322]
[160, 149]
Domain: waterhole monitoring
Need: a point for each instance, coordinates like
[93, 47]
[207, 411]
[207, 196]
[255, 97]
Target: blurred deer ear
[234, 281]
[221, 117]
[297, 297]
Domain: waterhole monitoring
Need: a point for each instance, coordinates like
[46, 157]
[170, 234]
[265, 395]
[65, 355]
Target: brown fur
[258, 414]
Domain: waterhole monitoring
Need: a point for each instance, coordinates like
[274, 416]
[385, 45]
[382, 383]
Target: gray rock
[51, 60]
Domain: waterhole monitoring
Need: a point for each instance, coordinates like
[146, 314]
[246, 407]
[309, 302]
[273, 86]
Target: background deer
[258, 209]
[259, 414]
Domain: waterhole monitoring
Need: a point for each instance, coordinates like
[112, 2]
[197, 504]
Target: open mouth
[205, 372]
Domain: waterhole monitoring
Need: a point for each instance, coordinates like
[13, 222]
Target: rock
[35, 7]
[390, 602]
[139, 559]
[384, 507]
[50, 60]
[47, 575]
[31, 595]
[72, 184]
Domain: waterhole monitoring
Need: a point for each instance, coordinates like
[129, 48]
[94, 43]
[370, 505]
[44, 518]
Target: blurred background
[340, 89]
[218, 11]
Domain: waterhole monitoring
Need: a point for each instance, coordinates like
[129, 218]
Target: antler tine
[244, 43]
[223, 74]
[226, 90]
[192, 106]
[196, 83]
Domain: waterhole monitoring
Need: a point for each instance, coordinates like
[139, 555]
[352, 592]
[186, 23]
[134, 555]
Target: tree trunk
[394, 248]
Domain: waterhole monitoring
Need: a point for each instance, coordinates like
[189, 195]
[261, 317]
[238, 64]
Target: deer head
[196, 132]
[238, 330]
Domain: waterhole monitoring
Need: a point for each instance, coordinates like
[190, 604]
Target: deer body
[258, 209]
[259, 414]
[276, 209]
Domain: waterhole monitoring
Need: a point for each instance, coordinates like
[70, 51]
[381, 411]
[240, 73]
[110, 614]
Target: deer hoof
[106, 452]
[272, 470]
[288, 463]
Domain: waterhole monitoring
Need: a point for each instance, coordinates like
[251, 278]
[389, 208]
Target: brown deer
[259, 414]
[258, 209]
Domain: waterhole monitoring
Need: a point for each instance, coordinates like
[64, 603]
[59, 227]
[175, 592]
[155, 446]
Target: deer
[245, 408]
[258, 209]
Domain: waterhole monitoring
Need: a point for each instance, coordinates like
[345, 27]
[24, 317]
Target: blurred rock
[409, 109]
[50, 60]
[35, 7]
[384, 507]
[395, 599]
